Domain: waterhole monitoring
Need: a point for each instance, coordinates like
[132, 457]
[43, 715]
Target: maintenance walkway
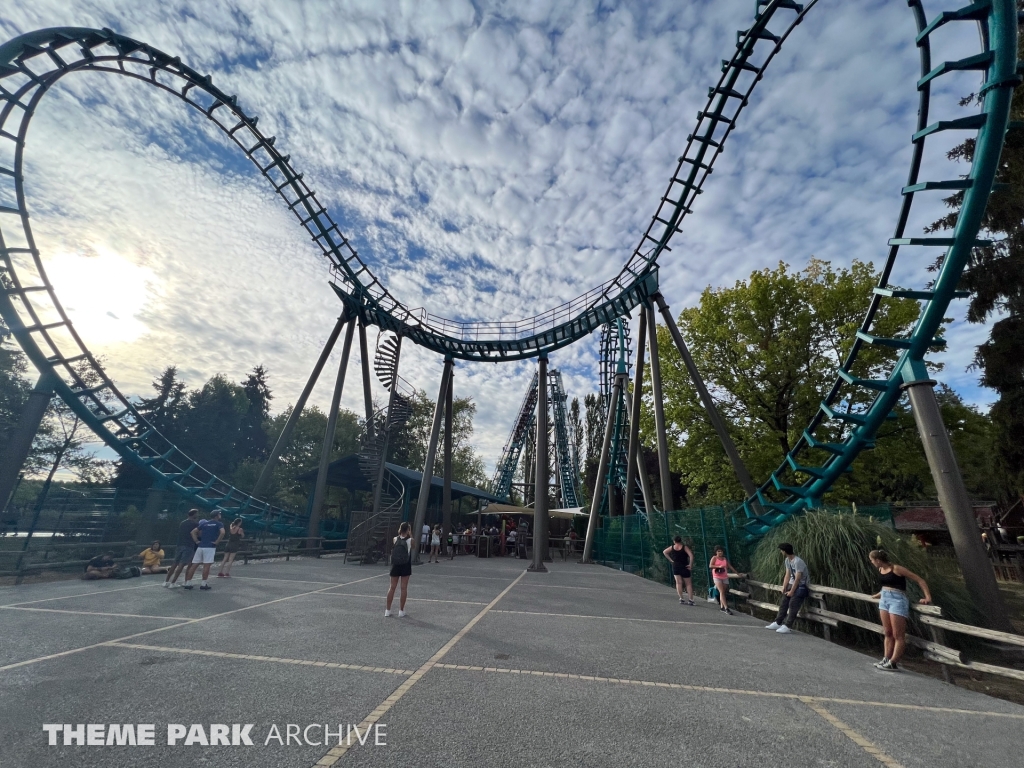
[582, 666]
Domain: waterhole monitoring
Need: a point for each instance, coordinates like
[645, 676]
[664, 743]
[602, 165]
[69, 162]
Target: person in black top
[681, 556]
[185, 550]
[894, 605]
[100, 567]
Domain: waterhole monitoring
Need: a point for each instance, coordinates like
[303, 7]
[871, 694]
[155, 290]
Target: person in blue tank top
[207, 536]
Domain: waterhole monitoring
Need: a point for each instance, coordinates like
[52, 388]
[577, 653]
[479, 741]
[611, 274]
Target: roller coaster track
[32, 63]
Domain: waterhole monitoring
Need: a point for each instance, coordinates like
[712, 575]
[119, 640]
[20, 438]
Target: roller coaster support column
[293, 419]
[364, 365]
[602, 470]
[378, 487]
[956, 505]
[428, 464]
[320, 490]
[13, 457]
[446, 494]
[634, 419]
[540, 494]
[709, 405]
[659, 412]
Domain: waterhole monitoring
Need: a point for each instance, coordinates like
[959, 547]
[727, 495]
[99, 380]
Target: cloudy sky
[490, 160]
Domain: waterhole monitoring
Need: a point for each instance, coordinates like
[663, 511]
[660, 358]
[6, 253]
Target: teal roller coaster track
[33, 63]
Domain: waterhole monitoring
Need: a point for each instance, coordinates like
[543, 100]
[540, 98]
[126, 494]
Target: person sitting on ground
[894, 606]
[100, 567]
[796, 586]
[151, 557]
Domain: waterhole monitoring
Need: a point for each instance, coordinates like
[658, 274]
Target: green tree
[252, 438]
[769, 349]
[210, 424]
[995, 278]
[14, 384]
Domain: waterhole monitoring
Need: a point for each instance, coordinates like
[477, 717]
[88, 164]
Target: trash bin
[483, 546]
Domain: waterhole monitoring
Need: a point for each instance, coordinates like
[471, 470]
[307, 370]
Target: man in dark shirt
[207, 536]
[185, 550]
[100, 567]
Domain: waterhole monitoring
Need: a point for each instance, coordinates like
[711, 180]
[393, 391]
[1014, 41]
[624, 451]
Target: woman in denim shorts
[894, 605]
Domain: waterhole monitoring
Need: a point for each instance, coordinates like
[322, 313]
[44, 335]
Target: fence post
[938, 635]
[825, 628]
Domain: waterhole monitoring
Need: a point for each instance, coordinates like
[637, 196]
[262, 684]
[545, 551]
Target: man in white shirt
[795, 588]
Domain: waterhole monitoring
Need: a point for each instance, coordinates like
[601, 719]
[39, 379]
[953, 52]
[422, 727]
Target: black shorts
[403, 569]
[680, 570]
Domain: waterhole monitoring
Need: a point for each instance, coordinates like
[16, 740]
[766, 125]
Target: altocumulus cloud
[489, 160]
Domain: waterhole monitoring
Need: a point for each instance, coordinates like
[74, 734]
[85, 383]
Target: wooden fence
[936, 649]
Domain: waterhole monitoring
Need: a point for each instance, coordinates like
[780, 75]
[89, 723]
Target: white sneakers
[784, 630]
[773, 625]
[401, 614]
[386, 613]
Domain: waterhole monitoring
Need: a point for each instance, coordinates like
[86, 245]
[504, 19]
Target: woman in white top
[435, 545]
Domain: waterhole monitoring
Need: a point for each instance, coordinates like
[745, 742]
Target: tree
[164, 412]
[14, 386]
[995, 277]
[595, 422]
[252, 439]
[769, 349]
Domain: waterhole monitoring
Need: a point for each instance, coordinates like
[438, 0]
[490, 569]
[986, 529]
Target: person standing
[894, 606]
[401, 569]
[207, 536]
[796, 586]
[456, 541]
[681, 556]
[720, 569]
[185, 550]
[424, 538]
[435, 545]
[235, 535]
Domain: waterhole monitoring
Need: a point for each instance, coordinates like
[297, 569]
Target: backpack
[400, 554]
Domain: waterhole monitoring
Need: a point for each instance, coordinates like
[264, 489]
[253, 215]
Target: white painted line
[93, 613]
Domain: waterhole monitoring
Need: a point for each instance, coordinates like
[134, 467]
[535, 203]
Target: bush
[835, 548]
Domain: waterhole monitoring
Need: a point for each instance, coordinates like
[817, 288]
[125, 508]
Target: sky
[489, 161]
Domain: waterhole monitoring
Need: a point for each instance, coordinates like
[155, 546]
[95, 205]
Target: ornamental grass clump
[835, 548]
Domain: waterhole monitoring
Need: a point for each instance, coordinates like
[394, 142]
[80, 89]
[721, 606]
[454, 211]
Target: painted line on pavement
[335, 754]
[868, 746]
[79, 594]
[164, 629]
[93, 613]
[274, 659]
[626, 618]
[736, 691]
[410, 599]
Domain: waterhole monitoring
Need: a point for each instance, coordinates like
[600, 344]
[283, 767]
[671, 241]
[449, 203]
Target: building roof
[346, 473]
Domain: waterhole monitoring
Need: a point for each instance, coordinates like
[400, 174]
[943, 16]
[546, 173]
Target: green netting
[634, 544]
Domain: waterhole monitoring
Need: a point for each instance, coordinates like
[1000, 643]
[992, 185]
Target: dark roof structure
[346, 473]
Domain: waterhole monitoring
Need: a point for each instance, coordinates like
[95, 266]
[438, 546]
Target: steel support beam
[602, 471]
[364, 366]
[16, 451]
[634, 418]
[320, 490]
[446, 494]
[428, 464]
[540, 492]
[286, 434]
[746, 482]
[956, 505]
[659, 412]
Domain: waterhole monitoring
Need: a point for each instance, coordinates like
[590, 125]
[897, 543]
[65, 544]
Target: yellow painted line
[93, 613]
[651, 621]
[868, 746]
[171, 626]
[336, 753]
[735, 691]
[410, 600]
[273, 659]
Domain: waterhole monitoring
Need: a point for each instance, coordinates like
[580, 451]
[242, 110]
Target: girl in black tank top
[894, 606]
[680, 555]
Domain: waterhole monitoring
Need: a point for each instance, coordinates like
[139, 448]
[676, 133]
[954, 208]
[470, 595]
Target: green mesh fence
[635, 544]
